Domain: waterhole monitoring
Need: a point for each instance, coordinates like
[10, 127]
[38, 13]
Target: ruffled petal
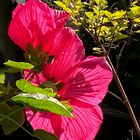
[83, 126]
[89, 82]
[36, 24]
[72, 53]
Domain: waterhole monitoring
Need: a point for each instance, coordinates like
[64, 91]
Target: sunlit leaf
[89, 15]
[19, 65]
[118, 14]
[26, 86]
[97, 11]
[137, 20]
[107, 13]
[102, 2]
[65, 103]
[42, 102]
[135, 2]
[138, 31]
[136, 10]
[64, 6]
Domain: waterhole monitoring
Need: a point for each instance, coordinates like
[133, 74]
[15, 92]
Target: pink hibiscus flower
[35, 24]
[85, 83]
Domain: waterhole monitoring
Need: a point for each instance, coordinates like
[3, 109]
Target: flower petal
[84, 125]
[89, 82]
[71, 54]
[60, 18]
[36, 24]
[36, 78]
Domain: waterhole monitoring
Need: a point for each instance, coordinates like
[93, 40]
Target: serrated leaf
[18, 65]
[42, 102]
[26, 86]
[44, 135]
[11, 118]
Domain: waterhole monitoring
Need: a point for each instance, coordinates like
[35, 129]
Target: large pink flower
[85, 83]
[36, 24]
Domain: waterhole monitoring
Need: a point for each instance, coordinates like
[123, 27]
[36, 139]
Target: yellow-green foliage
[104, 24]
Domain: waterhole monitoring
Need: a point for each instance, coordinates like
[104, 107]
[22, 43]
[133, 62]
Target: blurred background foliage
[115, 26]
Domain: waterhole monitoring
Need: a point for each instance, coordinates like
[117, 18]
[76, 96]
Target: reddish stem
[125, 99]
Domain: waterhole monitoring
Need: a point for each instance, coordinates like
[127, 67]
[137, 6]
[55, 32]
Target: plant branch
[122, 91]
[119, 55]
[115, 96]
[124, 96]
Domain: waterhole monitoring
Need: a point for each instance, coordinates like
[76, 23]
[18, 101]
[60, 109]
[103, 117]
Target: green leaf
[65, 103]
[67, 1]
[107, 13]
[18, 65]
[64, 6]
[11, 118]
[97, 1]
[26, 86]
[42, 102]
[96, 10]
[2, 76]
[136, 10]
[118, 14]
[43, 135]
[89, 15]
[138, 31]
[12, 70]
[102, 2]
[137, 20]
[120, 36]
